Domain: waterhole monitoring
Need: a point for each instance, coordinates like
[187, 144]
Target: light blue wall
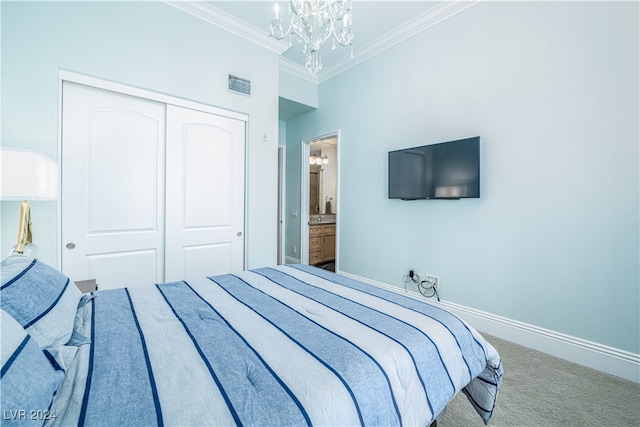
[150, 45]
[297, 89]
[552, 89]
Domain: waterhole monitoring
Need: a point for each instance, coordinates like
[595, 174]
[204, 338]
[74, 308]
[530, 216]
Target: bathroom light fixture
[315, 22]
[317, 159]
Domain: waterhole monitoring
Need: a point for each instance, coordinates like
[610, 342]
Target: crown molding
[208, 13]
[297, 70]
[213, 15]
[440, 12]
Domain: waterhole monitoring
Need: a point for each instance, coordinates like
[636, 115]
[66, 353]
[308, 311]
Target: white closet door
[205, 194]
[112, 196]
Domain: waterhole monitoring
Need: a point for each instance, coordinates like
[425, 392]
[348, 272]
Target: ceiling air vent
[239, 85]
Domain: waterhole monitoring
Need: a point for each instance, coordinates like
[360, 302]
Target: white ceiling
[370, 21]
[377, 25]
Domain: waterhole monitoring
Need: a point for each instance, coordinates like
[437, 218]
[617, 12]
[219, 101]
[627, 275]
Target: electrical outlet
[295, 249]
[434, 280]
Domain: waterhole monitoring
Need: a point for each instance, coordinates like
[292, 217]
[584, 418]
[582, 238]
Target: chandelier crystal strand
[315, 22]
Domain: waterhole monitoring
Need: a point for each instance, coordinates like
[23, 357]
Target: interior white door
[112, 196]
[205, 194]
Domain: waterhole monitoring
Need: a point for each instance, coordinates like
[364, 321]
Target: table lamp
[28, 176]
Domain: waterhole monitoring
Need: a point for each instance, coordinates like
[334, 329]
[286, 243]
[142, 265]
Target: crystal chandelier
[315, 22]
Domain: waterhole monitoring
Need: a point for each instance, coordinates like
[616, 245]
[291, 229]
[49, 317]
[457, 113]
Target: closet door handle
[239, 233]
[71, 245]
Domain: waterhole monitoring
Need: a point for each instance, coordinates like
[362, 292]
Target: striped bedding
[289, 345]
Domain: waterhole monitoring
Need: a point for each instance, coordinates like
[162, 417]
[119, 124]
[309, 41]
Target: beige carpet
[542, 390]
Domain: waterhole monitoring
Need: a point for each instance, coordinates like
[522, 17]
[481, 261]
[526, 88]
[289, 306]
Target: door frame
[98, 83]
[282, 189]
[304, 196]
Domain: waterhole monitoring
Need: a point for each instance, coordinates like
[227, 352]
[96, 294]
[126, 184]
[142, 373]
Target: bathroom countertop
[322, 219]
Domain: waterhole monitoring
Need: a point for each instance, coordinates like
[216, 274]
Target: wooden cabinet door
[329, 247]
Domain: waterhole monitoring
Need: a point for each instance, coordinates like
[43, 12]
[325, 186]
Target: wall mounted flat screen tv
[448, 170]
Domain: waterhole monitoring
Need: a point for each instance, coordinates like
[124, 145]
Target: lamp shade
[27, 175]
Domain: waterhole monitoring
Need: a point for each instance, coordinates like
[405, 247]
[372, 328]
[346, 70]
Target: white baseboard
[610, 360]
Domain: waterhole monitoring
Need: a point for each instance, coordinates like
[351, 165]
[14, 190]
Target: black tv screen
[448, 170]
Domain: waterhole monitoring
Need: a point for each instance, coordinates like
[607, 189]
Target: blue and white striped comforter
[290, 345]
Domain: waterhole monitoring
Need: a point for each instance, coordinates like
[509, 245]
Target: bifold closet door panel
[204, 194]
[112, 194]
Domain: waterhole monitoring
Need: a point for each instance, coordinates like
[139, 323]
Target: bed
[287, 345]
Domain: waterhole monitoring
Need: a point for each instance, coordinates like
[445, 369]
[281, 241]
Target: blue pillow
[28, 380]
[42, 299]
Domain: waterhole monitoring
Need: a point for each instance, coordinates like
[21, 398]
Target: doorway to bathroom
[319, 222]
